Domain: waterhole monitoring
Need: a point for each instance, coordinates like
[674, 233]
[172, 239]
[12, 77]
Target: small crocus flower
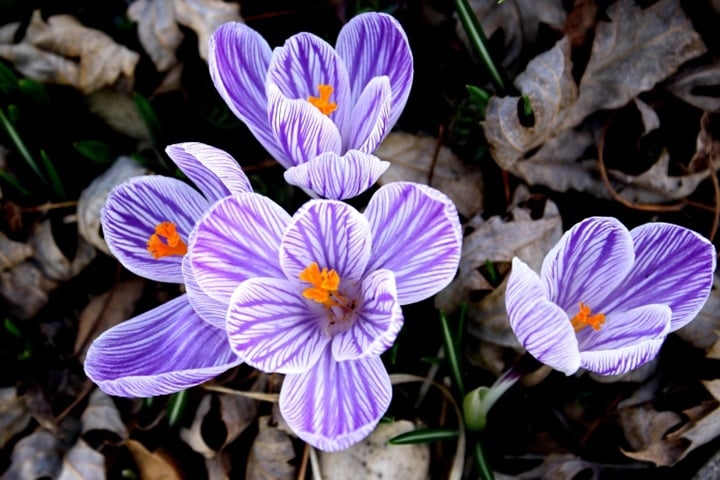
[606, 297]
[147, 222]
[317, 296]
[320, 111]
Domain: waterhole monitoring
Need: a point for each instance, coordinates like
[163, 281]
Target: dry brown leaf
[65, 52]
[120, 111]
[643, 425]
[102, 416]
[54, 264]
[106, 311]
[411, 158]
[12, 253]
[271, 454]
[35, 456]
[14, 414]
[82, 463]
[626, 51]
[695, 85]
[92, 199]
[26, 288]
[707, 145]
[204, 17]
[375, 458]
[562, 467]
[518, 21]
[157, 29]
[704, 331]
[152, 465]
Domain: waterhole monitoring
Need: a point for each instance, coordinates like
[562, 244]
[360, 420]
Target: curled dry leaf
[65, 52]
[102, 416]
[562, 466]
[204, 17]
[703, 332]
[106, 311]
[35, 456]
[12, 253]
[643, 425]
[93, 198]
[26, 288]
[707, 145]
[271, 454]
[14, 414]
[375, 458]
[696, 85]
[411, 159]
[54, 264]
[152, 465]
[120, 112]
[82, 463]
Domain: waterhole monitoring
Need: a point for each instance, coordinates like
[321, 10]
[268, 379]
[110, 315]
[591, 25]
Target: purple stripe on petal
[673, 266]
[135, 208]
[371, 117]
[336, 404]
[377, 323]
[373, 45]
[270, 325]
[305, 62]
[542, 327]
[239, 59]
[300, 129]
[621, 360]
[239, 238]
[162, 351]
[588, 262]
[209, 309]
[330, 233]
[416, 234]
[335, 177]
[212, 170]
[623, 329]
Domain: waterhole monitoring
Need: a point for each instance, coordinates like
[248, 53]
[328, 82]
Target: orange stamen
[173, 244]
[585, 319]
[323, 102]
[325, 284]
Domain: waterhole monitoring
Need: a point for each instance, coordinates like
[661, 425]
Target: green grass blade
[176, 407]
[425, 435]
[95, 150]
[55, 181]
[20, 145]
[452, 353]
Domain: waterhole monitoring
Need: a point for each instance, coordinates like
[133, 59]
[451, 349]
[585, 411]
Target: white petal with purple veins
[542, 327]
[162, 351]
[135, 208]
[214, 171]
[625, 328]
[373, 45]
[370, 120]
[270, 325]
[590, 259]
[416, 234]
[330, 233]
[673, 266]
[209, 309]
[338, 177]
[336, 404]
[378, 320]
[301, 131]
[239, 238]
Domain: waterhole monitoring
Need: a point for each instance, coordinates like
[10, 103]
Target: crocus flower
[606, 297]
[147, 221]
[320, 111]
[317, 296]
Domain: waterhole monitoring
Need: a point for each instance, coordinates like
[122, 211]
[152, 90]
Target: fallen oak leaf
[157, 29]
[270, 454]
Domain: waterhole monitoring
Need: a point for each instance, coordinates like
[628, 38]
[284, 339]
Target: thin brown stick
[46, 207]
[438, 145]
[303, 465]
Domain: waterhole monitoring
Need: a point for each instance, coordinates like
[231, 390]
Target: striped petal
[371, 116]
[338, 177]
[135, 208]
[542, 327]
[588, 262]
[336, 404]
[416, 234]
[301, 131]
[304, 63]
[330, 233]
[212, 170]
[239, 59]
[673, 266]
[626, 341]
[162, 351]
[210, 310]
[373, 45]
[271, 326]
[378, 320]
[239, 238]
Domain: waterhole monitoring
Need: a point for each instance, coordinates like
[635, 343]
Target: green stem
[484, 470]
[477, 39]
[452, 354]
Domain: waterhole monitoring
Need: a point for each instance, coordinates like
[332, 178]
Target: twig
[438, 145]
[265, 397]
[304, 463]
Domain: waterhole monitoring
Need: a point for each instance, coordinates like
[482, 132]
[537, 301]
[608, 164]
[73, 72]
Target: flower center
[323, 102]
[173, 244]
[584, 318]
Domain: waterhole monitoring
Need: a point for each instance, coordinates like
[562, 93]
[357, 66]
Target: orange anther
[323, 102]
[173, 244]
[325, 284]
[584, 319]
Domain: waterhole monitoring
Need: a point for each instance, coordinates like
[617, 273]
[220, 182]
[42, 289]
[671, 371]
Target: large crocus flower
[147, 221]
[317, 296]
[320, 111]
[606, 297]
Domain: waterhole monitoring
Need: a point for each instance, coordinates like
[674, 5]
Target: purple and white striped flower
[317, 296]
[320, 111]
[147, 222]
[606, 297]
